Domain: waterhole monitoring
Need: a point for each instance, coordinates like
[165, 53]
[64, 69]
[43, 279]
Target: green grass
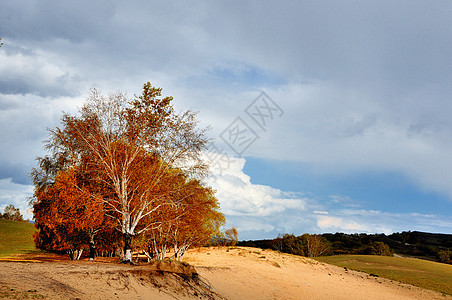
[16, 238]
[10, 293]
[425, 274]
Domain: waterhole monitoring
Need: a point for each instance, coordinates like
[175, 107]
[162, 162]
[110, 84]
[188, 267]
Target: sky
[327, 116]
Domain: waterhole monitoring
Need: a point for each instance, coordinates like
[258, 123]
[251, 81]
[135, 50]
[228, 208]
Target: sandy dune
[249, 273]
[234, 273]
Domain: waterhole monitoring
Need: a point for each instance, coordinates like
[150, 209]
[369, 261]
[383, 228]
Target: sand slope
[224, 273]
[249, 273]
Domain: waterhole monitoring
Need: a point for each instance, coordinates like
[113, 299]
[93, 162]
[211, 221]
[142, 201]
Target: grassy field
[426, 274]
[16, 237]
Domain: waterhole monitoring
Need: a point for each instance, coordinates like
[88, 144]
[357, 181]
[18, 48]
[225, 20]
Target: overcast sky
[327, 115]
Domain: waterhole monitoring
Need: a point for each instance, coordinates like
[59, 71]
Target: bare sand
[249, 273]
[223, 273]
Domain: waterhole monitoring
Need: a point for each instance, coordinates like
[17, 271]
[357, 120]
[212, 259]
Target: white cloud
[374, 221]
[240, 197]
[336, 224]
[317, 212]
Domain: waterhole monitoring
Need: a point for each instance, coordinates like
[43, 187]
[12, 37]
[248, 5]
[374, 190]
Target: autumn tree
[289, 243]
[376, 248]
[197, 218]
[310, 245]
[232, 236]
[444, 255]
[12, 213]
[68, 216]
[316, 245]
[130, 148]
[191, 220]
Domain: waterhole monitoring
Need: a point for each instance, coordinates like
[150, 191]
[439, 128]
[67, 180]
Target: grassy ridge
[425, 274]
[16, 237]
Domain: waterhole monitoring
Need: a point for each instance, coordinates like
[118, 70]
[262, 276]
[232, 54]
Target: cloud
[240, 197]
[255, 209]
[320, 212]
[341, 131]
[36, 74]
[376, 221]
[336, 224]
[16, 194]
[25, 119]
[53, 19]
[261, 211]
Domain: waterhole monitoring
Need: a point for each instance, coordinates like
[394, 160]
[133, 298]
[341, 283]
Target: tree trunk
[79, 253]
[156, 250]
[127, 248]
[75, 254]
[92, 250]
[176, 251]
[163, 252]
[182, 251]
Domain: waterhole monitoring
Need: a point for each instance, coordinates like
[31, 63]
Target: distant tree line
[310, 245]
[12, 213]
[408, 243]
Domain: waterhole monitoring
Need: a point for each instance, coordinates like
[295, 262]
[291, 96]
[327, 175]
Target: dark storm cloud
[344, 41]
[21, 85]
[48, 19]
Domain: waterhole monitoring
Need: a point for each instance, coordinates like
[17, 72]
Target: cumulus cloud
[337, 224]
[243, 198]
[254, 208]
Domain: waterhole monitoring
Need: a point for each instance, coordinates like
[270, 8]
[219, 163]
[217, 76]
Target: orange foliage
[67, 215]
[191, 220]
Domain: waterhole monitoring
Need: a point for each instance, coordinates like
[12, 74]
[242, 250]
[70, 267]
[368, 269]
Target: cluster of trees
[328, 244]
[125, 174]
[422, 245]
[445, 256]
[12, 213]
[358, 243]
[310, 245]
[227, 237]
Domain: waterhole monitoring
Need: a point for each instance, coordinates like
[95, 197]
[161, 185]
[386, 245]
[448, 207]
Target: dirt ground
[224, 273]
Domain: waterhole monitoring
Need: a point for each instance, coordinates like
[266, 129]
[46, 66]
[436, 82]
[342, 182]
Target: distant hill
[16, 237]
[408, 243]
